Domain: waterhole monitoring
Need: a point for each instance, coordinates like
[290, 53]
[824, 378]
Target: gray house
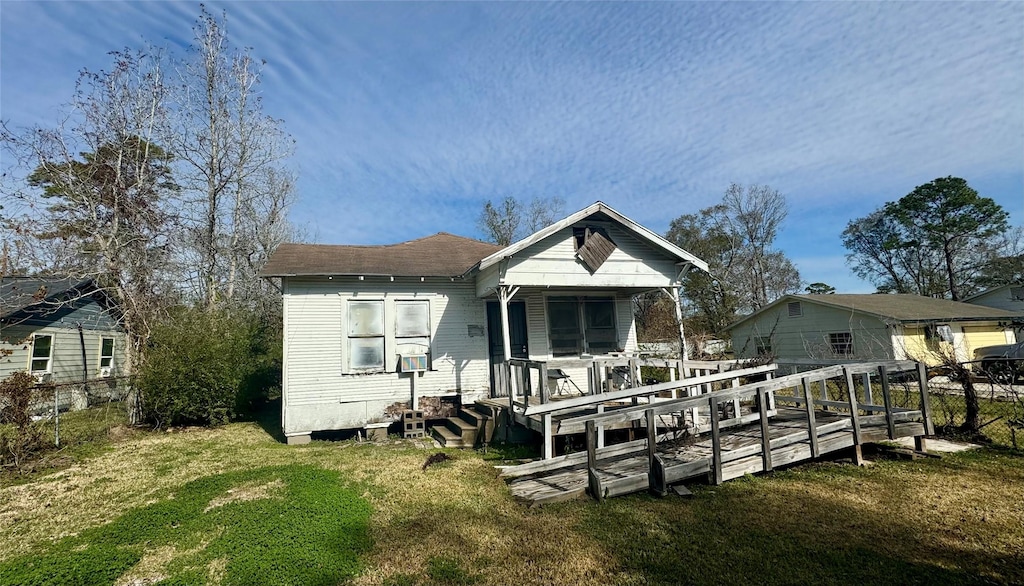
[1007, 297]
[869, 327]
[369, 330]
[62, 330]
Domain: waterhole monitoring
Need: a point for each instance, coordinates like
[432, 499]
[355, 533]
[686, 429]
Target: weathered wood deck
[801, 427]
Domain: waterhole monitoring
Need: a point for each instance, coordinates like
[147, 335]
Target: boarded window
[582, 324]
[42, 352]
[794, 309]
[593, 246]
[841, 343]
[366, 335]
[412, 328]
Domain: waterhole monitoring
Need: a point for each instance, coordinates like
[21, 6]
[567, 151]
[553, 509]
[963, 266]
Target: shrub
[206, 367]
[20, 438]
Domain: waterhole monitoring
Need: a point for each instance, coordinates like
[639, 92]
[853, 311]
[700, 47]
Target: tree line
[164, 181]
[941, 240]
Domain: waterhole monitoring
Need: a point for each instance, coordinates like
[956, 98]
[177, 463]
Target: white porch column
[684, 351]
[505, 294]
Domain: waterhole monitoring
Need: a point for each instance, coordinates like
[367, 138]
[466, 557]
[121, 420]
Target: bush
[20, 437]
[207, 367]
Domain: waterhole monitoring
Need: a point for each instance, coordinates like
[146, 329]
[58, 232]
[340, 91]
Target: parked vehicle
[1002, 363]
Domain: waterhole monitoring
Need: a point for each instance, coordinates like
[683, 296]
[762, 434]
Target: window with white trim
[42, 353]
[578, 325]
[841, 343]
[106, 352]
[366, 335]
[763, 345]
[412, 327]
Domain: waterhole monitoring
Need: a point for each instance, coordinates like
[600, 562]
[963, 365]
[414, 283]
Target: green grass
[233, 506]
[311, 532]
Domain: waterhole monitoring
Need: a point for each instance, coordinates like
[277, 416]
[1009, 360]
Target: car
[1002, 363]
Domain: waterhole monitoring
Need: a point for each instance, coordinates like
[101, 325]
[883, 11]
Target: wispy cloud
[407, 116]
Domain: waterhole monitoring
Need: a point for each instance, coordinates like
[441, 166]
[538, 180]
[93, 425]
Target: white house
[1007, 297]
[453, 306]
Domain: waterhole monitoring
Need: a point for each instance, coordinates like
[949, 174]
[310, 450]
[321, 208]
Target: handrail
[740, 392]
[588, 400]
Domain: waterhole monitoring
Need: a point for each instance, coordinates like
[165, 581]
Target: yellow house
[870, 327]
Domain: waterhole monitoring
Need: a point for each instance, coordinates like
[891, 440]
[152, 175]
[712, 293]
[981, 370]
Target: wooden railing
[800, 384]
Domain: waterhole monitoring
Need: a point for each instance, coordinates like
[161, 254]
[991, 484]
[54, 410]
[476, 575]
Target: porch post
[505, 294]
[683, 350]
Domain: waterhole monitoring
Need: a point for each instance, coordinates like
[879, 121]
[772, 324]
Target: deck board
[683, 460]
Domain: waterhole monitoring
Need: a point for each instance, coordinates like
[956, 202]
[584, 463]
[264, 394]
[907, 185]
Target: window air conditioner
[105, 372]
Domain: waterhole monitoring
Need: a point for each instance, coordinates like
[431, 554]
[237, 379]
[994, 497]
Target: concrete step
[464, 429]
[447, 437]
[484, 423]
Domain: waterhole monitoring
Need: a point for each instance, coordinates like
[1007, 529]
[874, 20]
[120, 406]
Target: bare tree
[511, 219]
[231, 159]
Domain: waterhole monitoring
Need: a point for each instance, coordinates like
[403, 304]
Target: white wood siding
[552, 263]
[1000, 299]
[315, 343]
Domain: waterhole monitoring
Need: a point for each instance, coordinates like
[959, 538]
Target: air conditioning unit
[42, 377]
[105, 372]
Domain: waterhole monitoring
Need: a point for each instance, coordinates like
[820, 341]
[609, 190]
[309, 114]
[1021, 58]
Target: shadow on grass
[788, 529]
[268, 417]
[277, 525]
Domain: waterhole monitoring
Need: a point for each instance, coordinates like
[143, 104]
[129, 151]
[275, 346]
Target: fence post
[858, 454]
[545, 392]
[766, 444]
[812, 426]
[593, 481]
[883, 377]
[716, 441]
[926, 406]
[656, 468]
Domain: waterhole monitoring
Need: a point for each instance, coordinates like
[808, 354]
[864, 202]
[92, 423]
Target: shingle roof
[910, 307]
[440, 255]
[18, 293]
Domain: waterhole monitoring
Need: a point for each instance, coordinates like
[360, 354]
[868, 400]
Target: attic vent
[593, 246]
[1017, 293]
[794, 309]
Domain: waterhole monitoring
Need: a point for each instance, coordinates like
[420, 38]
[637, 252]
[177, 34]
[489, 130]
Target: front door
[516, 333]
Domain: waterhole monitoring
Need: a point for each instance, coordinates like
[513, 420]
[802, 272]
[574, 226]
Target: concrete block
[299, 440]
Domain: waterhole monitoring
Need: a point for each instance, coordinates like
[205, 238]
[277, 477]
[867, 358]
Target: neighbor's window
[366, 335]
[42, 352]
[841, 343]
[106, 352]
[763, 345]
[581, 324]
[412, 327]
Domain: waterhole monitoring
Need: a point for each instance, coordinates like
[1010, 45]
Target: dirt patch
[248, 492]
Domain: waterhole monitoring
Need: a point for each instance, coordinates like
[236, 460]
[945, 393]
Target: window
[106, 353]
[1017, 293]
[841, 343]
[366, 335]
[763, 345]
[794, 309]
[412, 327]
[581, 324]
[42, 353]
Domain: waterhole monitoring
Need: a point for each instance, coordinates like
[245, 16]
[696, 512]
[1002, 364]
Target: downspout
[85, 363]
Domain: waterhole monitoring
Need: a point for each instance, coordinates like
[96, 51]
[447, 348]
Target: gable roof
[28, 293]
[597, 208]
[993, 290]
[895, 307]
[440, 255]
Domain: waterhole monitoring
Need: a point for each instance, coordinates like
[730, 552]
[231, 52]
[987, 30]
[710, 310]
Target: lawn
[233, 506]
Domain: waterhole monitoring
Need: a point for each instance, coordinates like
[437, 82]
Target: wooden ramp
[800, 428]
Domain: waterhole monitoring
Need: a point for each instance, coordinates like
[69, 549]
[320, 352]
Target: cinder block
[414, 425]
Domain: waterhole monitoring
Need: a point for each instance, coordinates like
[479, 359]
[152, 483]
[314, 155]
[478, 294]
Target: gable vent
[794, 309]
[595, 248]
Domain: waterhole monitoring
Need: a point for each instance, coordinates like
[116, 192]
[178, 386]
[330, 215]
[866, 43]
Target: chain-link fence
[39, 419]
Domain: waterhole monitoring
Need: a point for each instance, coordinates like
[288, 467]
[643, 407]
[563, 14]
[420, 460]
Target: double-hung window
[763, 345]
[366, 335]
[42, 353]
[412, 327]
[106, 353]
[581, 324]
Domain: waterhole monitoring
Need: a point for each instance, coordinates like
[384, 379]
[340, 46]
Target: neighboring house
[453, 307]
[868, 327]
[1007, 297]
[59, 329]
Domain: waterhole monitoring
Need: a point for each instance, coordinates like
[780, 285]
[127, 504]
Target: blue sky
[407, 116]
